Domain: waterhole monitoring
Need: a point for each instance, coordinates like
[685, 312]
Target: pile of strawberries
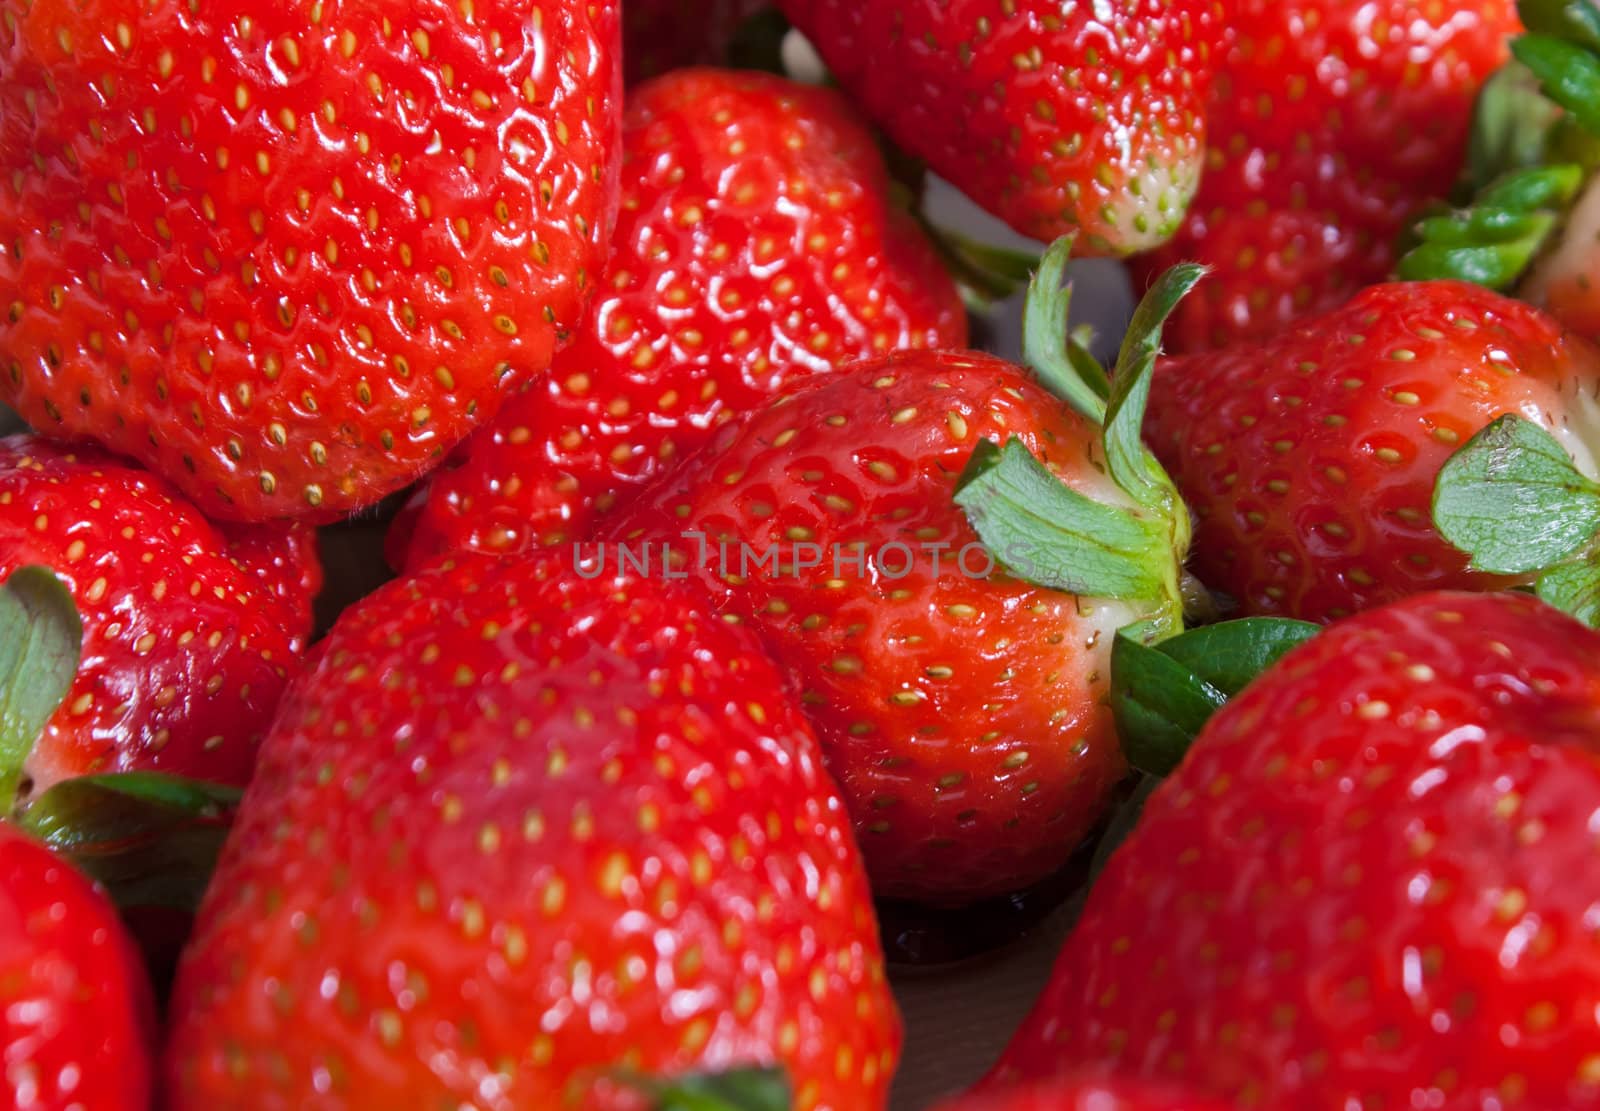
[731, 597]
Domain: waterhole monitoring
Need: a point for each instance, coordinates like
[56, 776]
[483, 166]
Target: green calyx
[1162, 695]
[983, 272]
[1514, 502]
[1562, 49]
[750, 1089]
[150, 839]
[1535, 143]
[1493, 240]
[41, 637]
[1043, 531]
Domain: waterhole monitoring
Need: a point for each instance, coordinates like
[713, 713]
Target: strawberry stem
[1061, 364]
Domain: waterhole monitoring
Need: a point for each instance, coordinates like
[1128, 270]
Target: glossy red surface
[1058, 118]
[1310, 459]
[1370, 883]
[1330, 124]
[1084, 1094]
[757, 246]
[288, 255]
[609, 843]
[190, 632]
[76, 1024]
[962, 715]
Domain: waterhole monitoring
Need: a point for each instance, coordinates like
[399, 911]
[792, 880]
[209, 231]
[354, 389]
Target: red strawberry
[962, 713]
[521, 827]
[77, 1027]
[1310, 459]
[756, 246]
[1330, 123]
[1085, 118]
[1081, 1095]
[1369, 884]
[662, 35]
[186, 643]
[285, 559]
[1533, 228]
[287, 256]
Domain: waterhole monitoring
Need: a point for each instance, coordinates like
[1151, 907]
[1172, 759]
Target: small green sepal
[1163, 694]
[746, 1089]
[150, 839]
[41, 637]
[1046, 533]
[1494, 240]
[1512, 499]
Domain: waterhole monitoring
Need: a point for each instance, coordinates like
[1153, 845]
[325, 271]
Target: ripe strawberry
[286, 257]
[1330, 123]
[1310, 459]
[1533, 228]
[77, 1027]
[756, 246]
[962, 713]
[1081, 1094]
[285, 559]
[188, 636]
[663, 35]
[1081, 118]
[612, 847]
[1368, 884]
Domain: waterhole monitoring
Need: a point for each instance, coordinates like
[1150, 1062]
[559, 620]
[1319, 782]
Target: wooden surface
[958, 1019]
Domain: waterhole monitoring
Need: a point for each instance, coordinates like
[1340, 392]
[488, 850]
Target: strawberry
[77, 1027]
[756, 246]
[1079, 118]
[961, 711]
[287, 257]
[1310, 459]
[1367, 885]
[552, 827]
[1081, 1094]
[285, 559]
[1330, 123]
[662, 35]
[188, 634]
[1532, 229]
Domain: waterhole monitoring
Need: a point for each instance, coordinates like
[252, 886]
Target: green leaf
[41, 637]
[1574, 588]
[1163, 695]
[1131, 464]
[1065, 369]
[1046, 533]
[748, 1089]
[1569, 72]
[1494, 240]
[1577, 21]
[1511, 124]
[151, 839]
[1513, 501]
